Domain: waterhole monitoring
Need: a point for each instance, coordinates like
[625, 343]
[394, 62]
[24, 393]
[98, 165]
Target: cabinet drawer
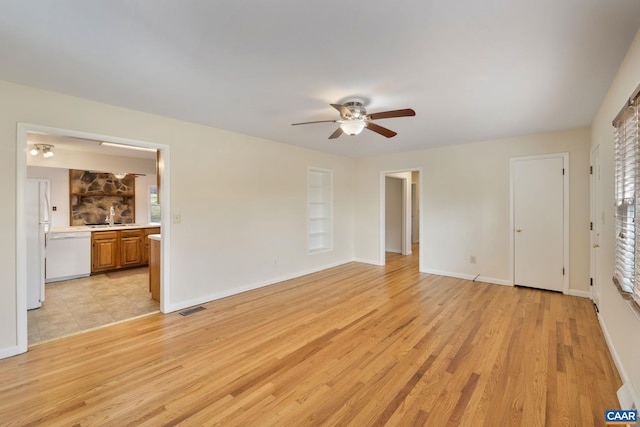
[139, 233]
[104, 235]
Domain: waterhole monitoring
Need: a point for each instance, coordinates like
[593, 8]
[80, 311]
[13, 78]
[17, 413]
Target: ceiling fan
[354, 118]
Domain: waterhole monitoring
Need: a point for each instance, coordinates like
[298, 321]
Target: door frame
[21, 226]
[595, 208]
[565, 222]
[406, 213]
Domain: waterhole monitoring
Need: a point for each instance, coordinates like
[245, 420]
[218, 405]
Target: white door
[596, 224]
[538, 219]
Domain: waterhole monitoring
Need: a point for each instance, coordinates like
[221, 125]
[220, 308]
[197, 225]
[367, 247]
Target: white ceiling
[472, 70]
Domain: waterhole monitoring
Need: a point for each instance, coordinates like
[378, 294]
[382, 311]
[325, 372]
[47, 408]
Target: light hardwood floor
[354, 345]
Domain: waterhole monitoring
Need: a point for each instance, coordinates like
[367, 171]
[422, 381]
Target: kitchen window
[154, 206]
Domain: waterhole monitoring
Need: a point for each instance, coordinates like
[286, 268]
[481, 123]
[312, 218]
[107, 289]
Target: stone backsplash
[92, 194]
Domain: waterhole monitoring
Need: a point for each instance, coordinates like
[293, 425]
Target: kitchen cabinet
[105, 251]
[117, 249]
[154, 267]
[131, 247]
[147, 232]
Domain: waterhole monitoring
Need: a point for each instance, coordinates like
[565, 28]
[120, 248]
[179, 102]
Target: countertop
[76, 228]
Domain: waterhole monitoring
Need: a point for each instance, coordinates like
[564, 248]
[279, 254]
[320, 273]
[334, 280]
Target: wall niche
[92, 194]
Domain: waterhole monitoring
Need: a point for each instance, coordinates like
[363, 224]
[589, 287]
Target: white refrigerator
[38, 219]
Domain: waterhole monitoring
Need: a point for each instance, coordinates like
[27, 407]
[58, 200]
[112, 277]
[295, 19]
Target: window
[627, 200]
[154, 207]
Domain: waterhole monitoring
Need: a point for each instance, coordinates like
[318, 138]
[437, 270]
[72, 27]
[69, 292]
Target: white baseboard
[630, 390]
[250, 287]
[368, 261]
[394, 251]
[579, 293]
[482, 279]
[10, 351]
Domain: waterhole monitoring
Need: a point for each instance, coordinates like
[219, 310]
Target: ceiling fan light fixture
[352, 127]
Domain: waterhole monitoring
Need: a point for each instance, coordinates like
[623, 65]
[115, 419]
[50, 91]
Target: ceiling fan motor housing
[357, 110]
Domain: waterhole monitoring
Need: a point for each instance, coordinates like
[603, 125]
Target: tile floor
[77, 305]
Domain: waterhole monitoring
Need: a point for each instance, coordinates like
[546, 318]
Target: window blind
[627, 200]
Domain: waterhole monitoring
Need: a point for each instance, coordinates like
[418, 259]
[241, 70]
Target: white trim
[406, 207]
[310, 251]
[21, 251]
[580, 293]
[566, 222]
[368, 261]
[616, 359]
[395, 251]
[471, 277]
[594, 233]
[22, 335]
[253, 286]
[10, 351]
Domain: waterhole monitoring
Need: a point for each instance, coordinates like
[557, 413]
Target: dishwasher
[68, 255]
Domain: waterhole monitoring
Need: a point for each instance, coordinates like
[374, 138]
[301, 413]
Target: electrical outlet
[472, 259]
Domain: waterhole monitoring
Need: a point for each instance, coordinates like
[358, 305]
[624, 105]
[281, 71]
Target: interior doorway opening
[400, 207]
[161, 162]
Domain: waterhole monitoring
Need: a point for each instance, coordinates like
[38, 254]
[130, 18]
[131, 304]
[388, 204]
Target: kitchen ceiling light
[352, 127]
[129, 147]
[119, 175]
[45, 148]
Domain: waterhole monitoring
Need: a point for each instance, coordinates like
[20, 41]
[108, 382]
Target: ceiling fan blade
[379, 129]
[319, 121]
[389, 114]
[336, 134]
[344, 111]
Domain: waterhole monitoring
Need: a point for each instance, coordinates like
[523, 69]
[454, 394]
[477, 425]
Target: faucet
[109, 219]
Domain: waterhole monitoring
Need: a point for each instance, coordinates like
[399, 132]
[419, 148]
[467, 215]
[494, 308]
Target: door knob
[518, 230]
[595, 245]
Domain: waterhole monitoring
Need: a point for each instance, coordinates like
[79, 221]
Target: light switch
[176, 218]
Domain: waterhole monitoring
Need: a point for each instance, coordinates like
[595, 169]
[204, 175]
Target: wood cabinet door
[145, 252]
[131, 248]
[105, 253]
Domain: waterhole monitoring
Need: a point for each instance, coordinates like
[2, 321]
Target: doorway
[21, 179]
[539, 194]
[400, 206]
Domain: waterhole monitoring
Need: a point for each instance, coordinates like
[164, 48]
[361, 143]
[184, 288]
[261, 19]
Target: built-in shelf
[320, 209]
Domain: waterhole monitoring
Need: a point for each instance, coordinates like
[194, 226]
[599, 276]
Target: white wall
[465, 199]
[621, 325]
[242, 199]
[393, 214]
